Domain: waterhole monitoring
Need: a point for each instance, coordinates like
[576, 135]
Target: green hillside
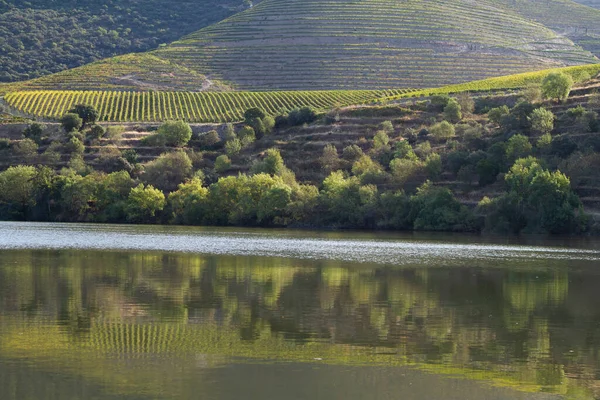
[366, 44]
[46, 36]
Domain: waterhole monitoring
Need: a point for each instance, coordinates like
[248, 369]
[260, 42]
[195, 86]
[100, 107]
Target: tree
[222, 164]
[495, 115]
[16, 191]
[187, 204]
[210, 138]
[537, 201]
[542, 121]
[88, 114]
[271, 164]
[254, 113]
[71, 122]
[175, 133]
[387, 127]
[352, 153]
[518, 147]
[442, 130]
[26, 149]
[233, 147]
[34, 132]
[557, 85]
[168, 171]
[466, 102]
[229, 132]
[380, 140]
[330, 159]
[246, 135]
[434, 208]
[144, 203]
[452, 111]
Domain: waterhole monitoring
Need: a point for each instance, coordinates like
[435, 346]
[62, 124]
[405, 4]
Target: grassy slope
[371, 44]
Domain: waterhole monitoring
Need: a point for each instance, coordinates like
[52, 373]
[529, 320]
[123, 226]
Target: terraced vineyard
[349, 45]
[337, 44]
[123, 106]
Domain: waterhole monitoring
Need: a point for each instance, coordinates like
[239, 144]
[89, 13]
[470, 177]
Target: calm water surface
[127, 312]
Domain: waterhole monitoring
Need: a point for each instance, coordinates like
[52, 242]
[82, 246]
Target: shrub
[299, 116]
[71, 121]
[380, 140]
[433, 166]
[352, 153]
[495, 115]
[439, 102]
[557, 85]
[330, 159]
[222, 164]
[518, 146]
[95, 132]
[466, 102]
[387, 127]
[442, 130]
[542, 121]
[452, 111]
[34, 132]
[210, 139]
[175, 133]
[26, 149]
[88, 114]
[271, 164]
[74, 145]
[233, 147]
[143, 203]
[168, 171]
[229, 132]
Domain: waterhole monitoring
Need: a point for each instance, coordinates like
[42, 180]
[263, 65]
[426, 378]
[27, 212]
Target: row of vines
[127, 106]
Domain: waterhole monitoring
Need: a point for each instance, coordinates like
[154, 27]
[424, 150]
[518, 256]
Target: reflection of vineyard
[495, 325]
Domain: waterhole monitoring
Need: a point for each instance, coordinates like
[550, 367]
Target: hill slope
[368, 44]
[47, 36]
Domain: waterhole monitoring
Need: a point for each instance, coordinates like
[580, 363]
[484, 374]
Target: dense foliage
[42, 37]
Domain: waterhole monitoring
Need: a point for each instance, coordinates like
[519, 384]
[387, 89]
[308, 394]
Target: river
[149, 312]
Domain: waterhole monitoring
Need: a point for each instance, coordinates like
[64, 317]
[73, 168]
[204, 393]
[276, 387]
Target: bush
[439, 102]
[300, 116]
[271, 164]
[222, 164]
[233, 147]
[517, 147]
[330, 159]
[26, 149]
[74, 145]
[563, 146]
[542, 121]
[557, 85]
[144, 203]
[496, 115]
[352, 153]
[175, 133]
[387, 127]
[210, 138]
[229, 132]
[34, 132]
[168, 171]
[380, 140]
[71, 121]
[466, 102]
[442, 130]
[96, 132]
[452, 111]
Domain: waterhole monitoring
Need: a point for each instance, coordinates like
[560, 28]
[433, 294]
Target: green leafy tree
[188, 203]
[233, 147]
[381, 140]
[168, 171]
[87, 113]
[175, 133]
[542, 121]
[143, 204]
[495, 115]
[518, 146]
[254, 113]
[71, 122]
[330, 160]
[272, 163]
[442, 130]
[26, 150]
[434, 209]
[452, 111]
[557, 85]
[222, 164]
[17, 191]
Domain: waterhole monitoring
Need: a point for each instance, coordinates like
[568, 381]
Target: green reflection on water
[128, 321]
